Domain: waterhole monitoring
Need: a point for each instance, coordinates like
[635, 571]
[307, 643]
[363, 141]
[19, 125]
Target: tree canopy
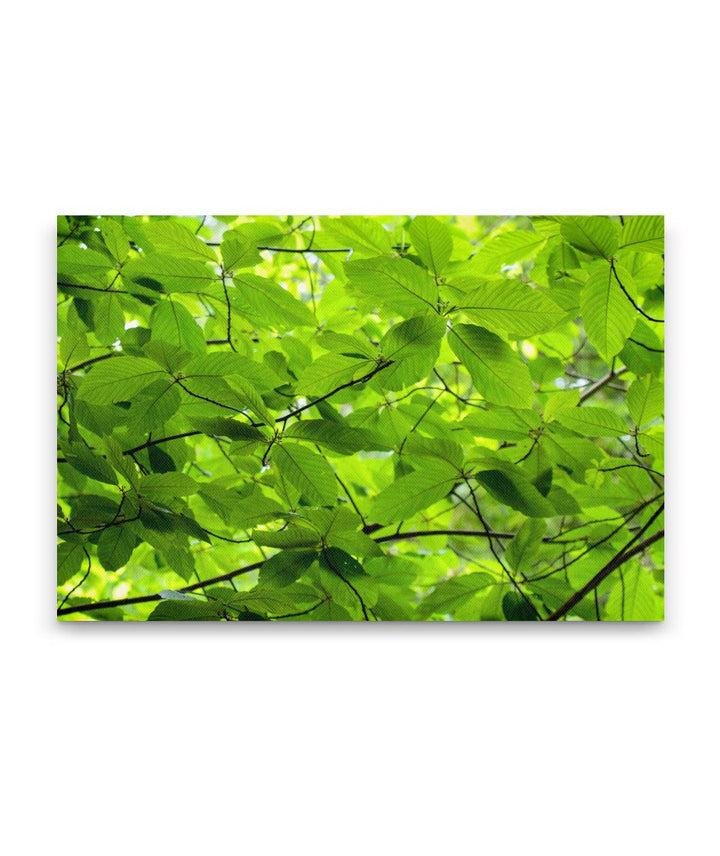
[360, 418]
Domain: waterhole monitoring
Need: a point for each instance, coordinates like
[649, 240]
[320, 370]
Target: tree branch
[629, 297]
[332, 392]
[305, 250]
[598, 385]
[619, 559]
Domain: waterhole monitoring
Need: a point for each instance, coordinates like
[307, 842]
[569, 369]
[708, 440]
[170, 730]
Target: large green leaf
[525, 546]
[331, 371]
[363, 235]
[413, 492]
[162, 487]
[119, 379]
[340, 438]
[168, 236]
[509, 307]
[115, 546]
[157, 272]
[451, 594]
[306, 471]
[608, 315]
[645, 400]
[509, 485]
[266, 304]
[396, 284]
[432, 242]
[171, 322]
[507, 248]
[70, 555]
[596, 236]
[632, 598]
[498, 373]
[643, 235]
[593, 421]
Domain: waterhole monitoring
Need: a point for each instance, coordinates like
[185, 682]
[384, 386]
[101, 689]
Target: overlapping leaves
[360, 418]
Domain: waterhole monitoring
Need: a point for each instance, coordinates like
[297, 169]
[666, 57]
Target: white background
[500, 739]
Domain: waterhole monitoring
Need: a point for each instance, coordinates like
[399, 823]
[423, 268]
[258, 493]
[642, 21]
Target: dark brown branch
[93, 288]
[332, 392]
[500, 562]
[160, 440]
[149, 598]
[599, 384]
[629, 297]
[619, 559]
[398, 536]
[404, 536]
[647, 347]
[305, 250]
[612, 565]
[95, 360]
[348, 584]
[297, 614]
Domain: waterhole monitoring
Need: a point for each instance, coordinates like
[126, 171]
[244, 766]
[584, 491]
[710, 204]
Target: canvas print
[360, 418]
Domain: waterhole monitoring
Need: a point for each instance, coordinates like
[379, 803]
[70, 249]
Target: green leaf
[432, 242]
[394, 283]
[263, 599]
[525, 546]
[403, 341]
[119, 379]
[306, 471]
[239, 250]
[633, 597]
[502, 423]
[161, 487]
[222, 365]
[505, 249]
[70, 556]
[154, 405]
[218, 426]
[168, 236]
[80, 457]
[444, 450]
[331, 371]
[511, 308]
[596, 236]
[498, 373]
[643, 235]
[249, 398]
[560, 401]
[171, 322]
[291, 537]
[157, 272]
[508, 484]
[365, 236]
[115, 546]
[83, 266]
[593, 421]
[268, 305]
[285, 567]
[516, 608]
[608, 315]
[645, 400]
[413, 492]
[115, 238]
[338, 437]
[450, 595]
[186, 610]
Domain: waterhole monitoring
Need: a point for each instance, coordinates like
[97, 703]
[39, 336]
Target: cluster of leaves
[360, 418]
